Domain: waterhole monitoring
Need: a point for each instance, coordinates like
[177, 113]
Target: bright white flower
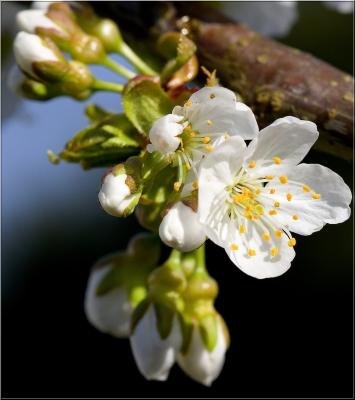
[200, 364]
[155, 356]
[30, 48]
[180, 228]
[29, 20]
[252, 198]
[190, 133]
[110, 312]
[115, 195]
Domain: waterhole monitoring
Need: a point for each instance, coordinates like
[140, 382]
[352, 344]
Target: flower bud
[77, 81]
[30, 20]
[121, 188]
[180, 228]
[39, 58]
[200, 362]
[111, 312]
[163, 132]
[155, 354]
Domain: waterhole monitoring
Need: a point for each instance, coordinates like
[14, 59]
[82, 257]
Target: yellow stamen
[247, 208]
[265, 236]
[278, 233]
[182, 149]
[212, 96]
[209, 148]
[277, 160]
[269, 177]
[206, 140]
[234, 246]
[248, 215]
[257, 191]
[272, 191]
[241, 229]
[316, 196]
[276, 204]
[272, 212]
[209, 122]
[255, 203]
[256, 216]
[188, 128]
[252, 253]
[289, 196]
[295, 217]
[195, 184]
[170, 160]
[176, 186]
[188, 103]
[283, 179]
[187, 166]
[226, 136]
[252, 164]
[192, 134]
[274, 251]
[306, 188]
[291, 242]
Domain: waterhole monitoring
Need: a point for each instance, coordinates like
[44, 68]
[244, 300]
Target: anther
[188, 128]
[274, 251]
[278, 233]
[306, 188]
[176, 186]
[209, 148]
[265, 236]
[283, 179]
[252, 164]
[195, 184]
[295, 217]
[291, 242]
[188, 103]
[252, 253]
[276, 204]
[248, 215]
[257, 191]
[269, 177]
[272, 191]
[277, 160]
[182, 149]
[234, 246]
[209, 122]
[187, 166]
[272, 212]
[226, 136]
[316, 196]
[241, 229]
[289, 196]
[212, 96]
[206, 140]
[256, 216]
[192, 134]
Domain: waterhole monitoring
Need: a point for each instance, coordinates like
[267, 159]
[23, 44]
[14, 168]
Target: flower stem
[97, 84]
[133, 58]
[109, 63]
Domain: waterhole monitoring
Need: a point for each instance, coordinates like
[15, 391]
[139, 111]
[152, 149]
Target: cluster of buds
[166, 311]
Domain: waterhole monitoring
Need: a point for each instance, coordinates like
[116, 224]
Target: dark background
[291, 336]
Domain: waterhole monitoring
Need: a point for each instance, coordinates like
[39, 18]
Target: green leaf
[144, 102]
[95, 113]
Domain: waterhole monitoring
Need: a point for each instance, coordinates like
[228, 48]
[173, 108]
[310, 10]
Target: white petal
[288, 138]
[331, 208]
[111, 312]
[163, 132]
[200, 364]
[154, 357]
[29, 48]
[115, 196]
[29, 20]
[263, 264]
[227, 116]
[180, 229]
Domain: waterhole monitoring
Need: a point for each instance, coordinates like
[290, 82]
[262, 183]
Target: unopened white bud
[163, 134]
[110, 312]
[153, 355]
[200, 364]
[180, 228]
[29, 48]
[29, 20]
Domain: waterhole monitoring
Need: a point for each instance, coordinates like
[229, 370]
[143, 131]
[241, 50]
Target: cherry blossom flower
[252, 198]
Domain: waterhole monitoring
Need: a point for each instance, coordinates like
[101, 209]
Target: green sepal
[95, 113]
[152, 163]
[186, 326]
[35, 90]
[164, 315]
[114, 278]
[50, 71]
[176, 48]
[207, 327]
[138, 313]
[152, 203]
[144, 102]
